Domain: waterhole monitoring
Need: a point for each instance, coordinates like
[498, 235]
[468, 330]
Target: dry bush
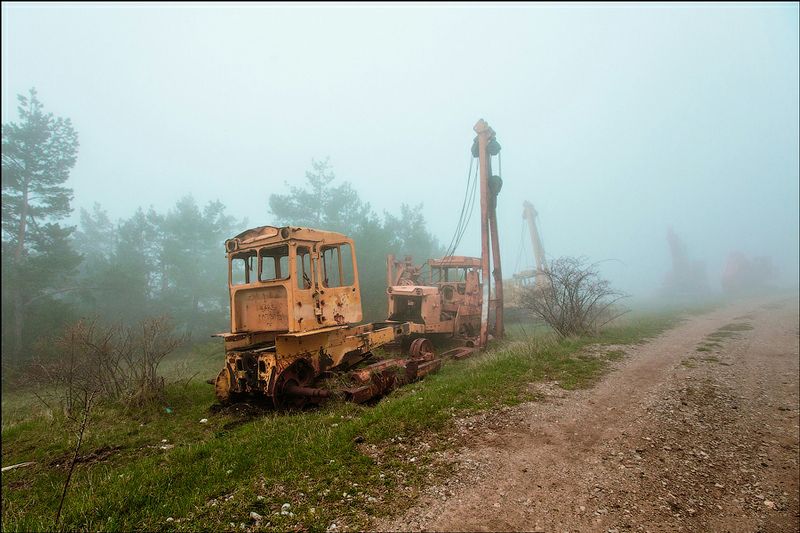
[575, 300]
[112, 362]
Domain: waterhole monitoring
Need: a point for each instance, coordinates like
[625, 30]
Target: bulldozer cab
[291, 280]
[458, 279]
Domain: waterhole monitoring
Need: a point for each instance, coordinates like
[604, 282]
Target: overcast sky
[616, 122]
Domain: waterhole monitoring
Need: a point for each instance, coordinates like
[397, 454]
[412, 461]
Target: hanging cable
[463, 208]
[471, 207]
[463, 219]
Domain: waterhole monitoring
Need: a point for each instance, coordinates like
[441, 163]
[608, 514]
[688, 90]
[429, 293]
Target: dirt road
[674, 439]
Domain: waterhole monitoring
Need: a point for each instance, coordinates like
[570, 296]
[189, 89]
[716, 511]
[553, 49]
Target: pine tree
[38, 154]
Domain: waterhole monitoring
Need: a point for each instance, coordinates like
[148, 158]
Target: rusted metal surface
[497, 271]
[295, 301]
[379, 378]
[306, 392]
[462, 352]
[376, 380]
[315, 270]
[485, 133]
[403, 272]
[423, 369]
[448, 304]
[484, 147]
[421, 350]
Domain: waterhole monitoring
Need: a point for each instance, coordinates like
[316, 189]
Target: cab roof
[456, 261]
[268, 234]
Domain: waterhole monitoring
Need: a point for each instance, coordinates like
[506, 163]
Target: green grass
[615, 355]
[736, 326]
[720, 335]
[713, 340]
[727, 331]
[341, 463]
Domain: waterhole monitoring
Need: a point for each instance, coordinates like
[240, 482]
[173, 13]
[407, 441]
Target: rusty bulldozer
[295, 305]
[294, 297]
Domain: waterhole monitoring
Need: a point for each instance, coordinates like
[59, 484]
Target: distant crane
[538, 278]
[540, 274]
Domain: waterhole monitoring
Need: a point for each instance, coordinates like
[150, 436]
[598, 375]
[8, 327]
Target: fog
[616, 122]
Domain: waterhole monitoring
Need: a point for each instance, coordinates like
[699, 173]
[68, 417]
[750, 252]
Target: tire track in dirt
[674, 440]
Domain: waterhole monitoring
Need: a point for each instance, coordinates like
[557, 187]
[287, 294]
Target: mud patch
[95, 456]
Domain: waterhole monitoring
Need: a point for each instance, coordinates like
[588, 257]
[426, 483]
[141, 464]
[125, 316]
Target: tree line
[153, 263]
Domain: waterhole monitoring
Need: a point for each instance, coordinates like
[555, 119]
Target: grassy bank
[159, 470]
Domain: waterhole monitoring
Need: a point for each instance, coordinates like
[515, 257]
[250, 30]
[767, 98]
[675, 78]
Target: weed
[720, 335]
[736, 326]
[615, 355]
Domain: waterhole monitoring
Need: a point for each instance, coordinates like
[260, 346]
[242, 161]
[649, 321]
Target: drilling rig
[449, 304]
[456, 300]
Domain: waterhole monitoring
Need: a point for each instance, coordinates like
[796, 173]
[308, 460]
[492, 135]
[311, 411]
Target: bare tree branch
[575, 300]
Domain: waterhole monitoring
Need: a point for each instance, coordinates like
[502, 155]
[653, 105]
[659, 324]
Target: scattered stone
[204, 420]
[255, 516]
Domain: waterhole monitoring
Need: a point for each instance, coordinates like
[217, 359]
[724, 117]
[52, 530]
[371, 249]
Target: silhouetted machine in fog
[744, 275]
[537, 277]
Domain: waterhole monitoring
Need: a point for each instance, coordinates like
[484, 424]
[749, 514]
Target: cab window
[303, 266]
[274, 263]
[337, 265]
[243, 267]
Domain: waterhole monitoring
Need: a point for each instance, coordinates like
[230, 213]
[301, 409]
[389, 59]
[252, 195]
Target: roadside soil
[674, 439]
